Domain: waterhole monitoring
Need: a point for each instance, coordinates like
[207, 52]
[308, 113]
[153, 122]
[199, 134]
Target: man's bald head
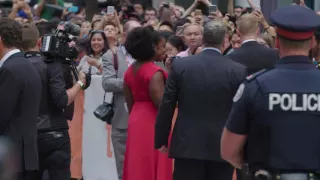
[248, 25]
[130, 25]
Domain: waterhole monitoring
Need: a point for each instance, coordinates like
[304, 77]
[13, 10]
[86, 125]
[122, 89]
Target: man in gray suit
[114, 67]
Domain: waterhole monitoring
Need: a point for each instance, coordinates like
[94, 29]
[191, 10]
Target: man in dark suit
[253, 55]
[203, 86]
[20, 93]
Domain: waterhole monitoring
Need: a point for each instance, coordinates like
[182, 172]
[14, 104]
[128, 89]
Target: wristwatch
[81, 84]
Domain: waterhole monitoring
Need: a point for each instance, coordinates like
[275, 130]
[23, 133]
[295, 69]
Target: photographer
[53, 138]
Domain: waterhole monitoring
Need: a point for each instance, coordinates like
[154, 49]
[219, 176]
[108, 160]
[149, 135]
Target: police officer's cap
[295, 22]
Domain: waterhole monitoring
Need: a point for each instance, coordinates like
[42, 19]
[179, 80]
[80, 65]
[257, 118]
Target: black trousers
[54, 155]
[239, 174]
[27, 175]
[187, 169]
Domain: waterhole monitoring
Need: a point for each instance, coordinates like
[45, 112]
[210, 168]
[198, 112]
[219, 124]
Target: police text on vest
[294, 102]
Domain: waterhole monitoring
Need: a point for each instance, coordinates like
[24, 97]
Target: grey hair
[214, 33]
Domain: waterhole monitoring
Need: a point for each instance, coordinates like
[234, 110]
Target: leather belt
[265, 175]
[297, 176]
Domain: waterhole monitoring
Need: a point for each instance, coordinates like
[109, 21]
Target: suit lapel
[122, 63]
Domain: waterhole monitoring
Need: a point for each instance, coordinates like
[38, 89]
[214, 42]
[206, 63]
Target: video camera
[57, 45]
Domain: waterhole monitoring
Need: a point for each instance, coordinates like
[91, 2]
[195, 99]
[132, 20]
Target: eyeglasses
[95, 31]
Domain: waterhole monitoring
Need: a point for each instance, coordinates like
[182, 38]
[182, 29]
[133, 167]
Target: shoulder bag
[105, 111]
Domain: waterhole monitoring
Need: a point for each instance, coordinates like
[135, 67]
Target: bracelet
[82, 86]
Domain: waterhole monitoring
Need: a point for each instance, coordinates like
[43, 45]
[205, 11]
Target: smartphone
[212, 8]
[249, 10]
[73, 9]
[110, 10]
[179, 30]
[198, 12]
[166, 5]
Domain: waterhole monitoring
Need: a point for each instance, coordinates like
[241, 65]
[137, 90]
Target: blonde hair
[248, 24]
[192, 24]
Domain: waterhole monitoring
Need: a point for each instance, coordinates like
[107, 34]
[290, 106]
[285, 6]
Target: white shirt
[212, 48]
[10, 53]
[249, 40]
[129, 58]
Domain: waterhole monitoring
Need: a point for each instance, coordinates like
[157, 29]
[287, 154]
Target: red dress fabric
[142, 160]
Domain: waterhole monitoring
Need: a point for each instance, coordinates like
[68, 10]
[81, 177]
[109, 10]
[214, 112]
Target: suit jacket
[203, 85]
[112, 81]
[255, 56]
[20, 95]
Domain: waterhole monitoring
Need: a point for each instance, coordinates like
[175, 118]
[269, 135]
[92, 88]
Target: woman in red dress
[143, 87]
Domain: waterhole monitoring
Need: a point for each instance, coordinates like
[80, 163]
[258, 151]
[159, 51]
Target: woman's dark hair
[106, 44]
[177, 42]
[156, 36]
[82, 44]
[166, 23]
[181, 22]
[140, 43]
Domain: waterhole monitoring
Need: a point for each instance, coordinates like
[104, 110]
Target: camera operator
[74, 30]
[53, 137]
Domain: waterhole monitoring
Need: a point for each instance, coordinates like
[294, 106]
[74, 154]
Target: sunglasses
[95, 31]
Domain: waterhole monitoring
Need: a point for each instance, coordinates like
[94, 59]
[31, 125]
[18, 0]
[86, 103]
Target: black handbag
[105, 111]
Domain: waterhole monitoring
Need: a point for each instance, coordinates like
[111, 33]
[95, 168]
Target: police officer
[53, 137]
[273, 128]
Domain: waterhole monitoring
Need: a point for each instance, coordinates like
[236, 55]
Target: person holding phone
[98, 46]
[45, 12]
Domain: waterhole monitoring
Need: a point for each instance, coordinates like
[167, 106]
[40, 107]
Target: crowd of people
[197, 85]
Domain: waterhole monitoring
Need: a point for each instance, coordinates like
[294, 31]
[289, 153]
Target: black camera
[56, 45]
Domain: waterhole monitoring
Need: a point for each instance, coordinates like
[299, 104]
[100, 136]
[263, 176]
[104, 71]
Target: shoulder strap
[115, 60]
[255, 75]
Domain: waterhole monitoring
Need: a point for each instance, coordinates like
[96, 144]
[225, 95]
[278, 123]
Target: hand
[198, 20]
[82, 77]
[92, 62]
[259, 15]
[212, 16]
[163, 149]
[15, 6]
[168, 63]
[65, 12]
[109, 17]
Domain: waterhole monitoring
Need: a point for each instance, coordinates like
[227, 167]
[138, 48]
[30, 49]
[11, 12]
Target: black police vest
[50, 116]
[284, 130]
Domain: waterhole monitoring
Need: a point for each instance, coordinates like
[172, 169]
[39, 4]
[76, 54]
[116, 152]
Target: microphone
[72, 29]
